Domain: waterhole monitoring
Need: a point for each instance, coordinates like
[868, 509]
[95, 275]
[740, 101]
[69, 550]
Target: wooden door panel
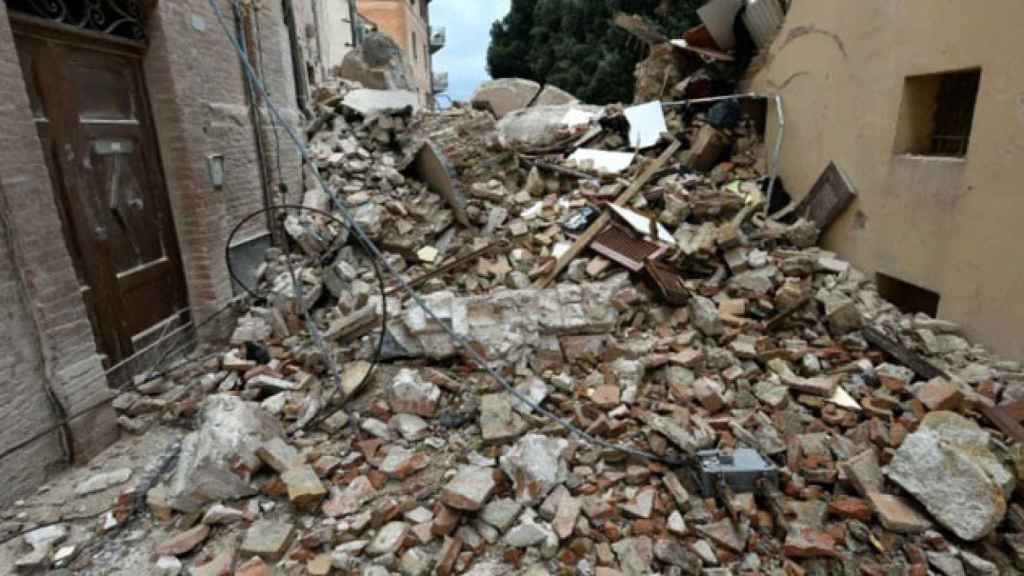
[123, 191]
[43, 81]
[30, 54]
[94, 123]
[105, 85]
[145, 294]
[120, 197]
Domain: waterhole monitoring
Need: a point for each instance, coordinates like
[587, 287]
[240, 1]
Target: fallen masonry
[729, 332]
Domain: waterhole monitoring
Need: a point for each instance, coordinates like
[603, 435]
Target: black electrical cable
[376, 268]
[156, 371]
[460, 341]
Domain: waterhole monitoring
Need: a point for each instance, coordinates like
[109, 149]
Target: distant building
[333, 28]
[408, 23]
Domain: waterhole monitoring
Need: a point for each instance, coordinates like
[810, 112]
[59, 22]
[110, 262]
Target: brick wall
[200, 107]
[45, 336]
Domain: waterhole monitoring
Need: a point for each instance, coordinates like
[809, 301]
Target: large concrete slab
[505, 95]
[540, 127]
[366, 101]
[432, 167]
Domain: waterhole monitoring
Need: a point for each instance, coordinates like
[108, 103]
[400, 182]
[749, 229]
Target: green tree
[573, 44]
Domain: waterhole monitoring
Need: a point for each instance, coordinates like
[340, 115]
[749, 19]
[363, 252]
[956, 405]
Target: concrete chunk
[501, 513]
[304, 487]
[279, 455]
[268, 539]
[535, 464]
[945, 467]
[505, 95]
[183, 542]
[231, 430]
[635, 555]
[351, 499]
[101, 482]
[388, 539]
[499, 422]
[470, 489]
[410, 393]
[704, 315]
[365, 101]
[896, 515]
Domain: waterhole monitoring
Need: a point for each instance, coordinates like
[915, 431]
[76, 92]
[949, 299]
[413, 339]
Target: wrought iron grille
[116, 17]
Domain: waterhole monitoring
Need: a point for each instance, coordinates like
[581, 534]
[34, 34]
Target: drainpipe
[241, 29]
[301, 82]
[353, 22]
[316, 8]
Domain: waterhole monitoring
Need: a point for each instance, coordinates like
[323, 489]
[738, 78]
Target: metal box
[740, 470]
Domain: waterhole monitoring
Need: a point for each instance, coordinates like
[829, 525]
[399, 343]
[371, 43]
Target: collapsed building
[624, 351]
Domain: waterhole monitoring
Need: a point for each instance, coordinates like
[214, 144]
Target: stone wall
[202, 110]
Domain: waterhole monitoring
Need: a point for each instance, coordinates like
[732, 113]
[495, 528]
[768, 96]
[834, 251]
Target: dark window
[415, 48]
[117, 17]
[906, 296]
[937, 113]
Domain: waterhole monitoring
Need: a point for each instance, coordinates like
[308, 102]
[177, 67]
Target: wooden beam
[907, 357]
[772, 324]
[584, 240]
[499, 247]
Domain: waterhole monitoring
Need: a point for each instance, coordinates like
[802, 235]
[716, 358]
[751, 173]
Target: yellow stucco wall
[955, 227]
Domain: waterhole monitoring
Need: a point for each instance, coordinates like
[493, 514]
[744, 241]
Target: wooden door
[89, 101]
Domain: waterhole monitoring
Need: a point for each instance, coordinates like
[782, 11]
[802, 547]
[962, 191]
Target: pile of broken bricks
[425, 465]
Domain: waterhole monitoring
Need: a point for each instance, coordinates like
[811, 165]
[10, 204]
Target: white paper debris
[560, 248]
[604, 161]
[843, 399]
[533, 211]
[642, 224]
[576, 117]
[646, 124]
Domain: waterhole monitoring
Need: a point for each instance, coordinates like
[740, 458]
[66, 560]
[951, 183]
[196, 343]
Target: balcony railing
[440, 82]
[438, 37]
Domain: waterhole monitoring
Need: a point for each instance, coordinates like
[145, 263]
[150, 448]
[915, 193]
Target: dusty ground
[127, 554]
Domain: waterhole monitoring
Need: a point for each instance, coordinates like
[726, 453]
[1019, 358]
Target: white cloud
[464, 57]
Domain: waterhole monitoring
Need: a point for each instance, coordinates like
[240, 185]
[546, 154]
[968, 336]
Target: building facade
[921, 104]
[132, 146]
[407, 22]
[331, 30]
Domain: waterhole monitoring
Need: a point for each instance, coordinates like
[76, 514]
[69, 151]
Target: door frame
[135, 50]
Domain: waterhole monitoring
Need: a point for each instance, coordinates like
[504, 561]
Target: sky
[464, 57]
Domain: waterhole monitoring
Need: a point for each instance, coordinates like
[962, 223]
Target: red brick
[854, 508]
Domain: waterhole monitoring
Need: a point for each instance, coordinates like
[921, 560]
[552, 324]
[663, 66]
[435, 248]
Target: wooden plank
[640, 28]
[584, 240]
[499, 247]
[1007, 418]
[908, 358]
[831, 195]
[773, 324]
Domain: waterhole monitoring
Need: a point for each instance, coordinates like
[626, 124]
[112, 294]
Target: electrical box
[215, 163]
[740, 470]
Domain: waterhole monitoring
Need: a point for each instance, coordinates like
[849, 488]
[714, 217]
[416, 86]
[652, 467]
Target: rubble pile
[846, 436]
